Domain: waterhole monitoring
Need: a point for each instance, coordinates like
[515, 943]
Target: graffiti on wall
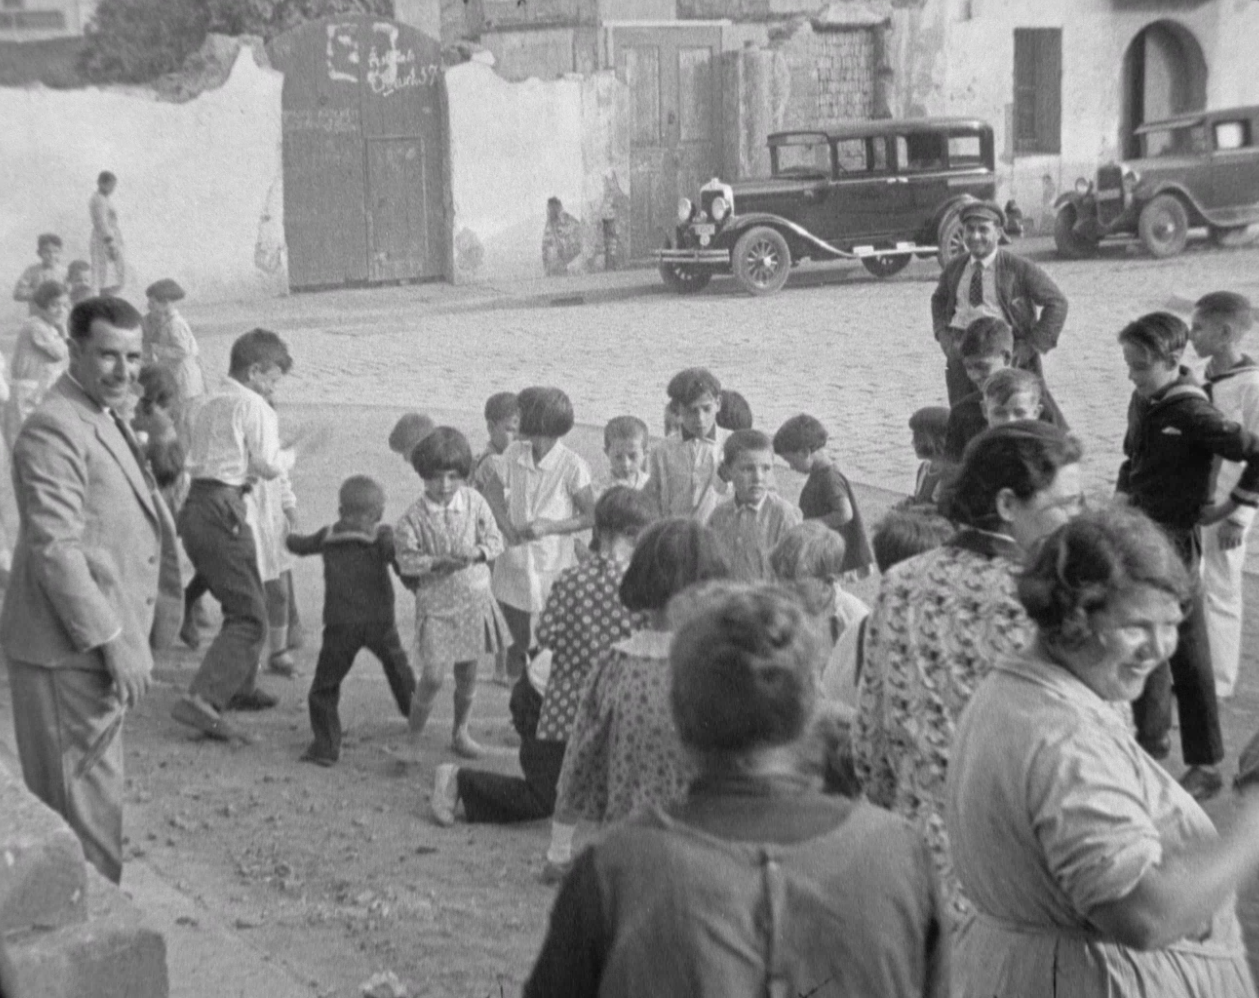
[389, 68]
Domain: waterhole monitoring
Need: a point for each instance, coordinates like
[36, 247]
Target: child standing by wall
[358, 553]
[40, 357]
[683, 471]
[751, 523]
[826, 496]
[1220, 323]
[445, 543]
[48, 249]
[544, 498]
[169, 343]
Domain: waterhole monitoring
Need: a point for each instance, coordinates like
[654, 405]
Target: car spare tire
[762, 260]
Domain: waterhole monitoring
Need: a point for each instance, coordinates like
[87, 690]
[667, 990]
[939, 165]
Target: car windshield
[797, 155]
[1190, 140]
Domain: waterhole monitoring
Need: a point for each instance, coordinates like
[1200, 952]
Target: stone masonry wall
[844, 65]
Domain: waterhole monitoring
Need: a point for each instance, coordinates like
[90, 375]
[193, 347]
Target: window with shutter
[1037, 90]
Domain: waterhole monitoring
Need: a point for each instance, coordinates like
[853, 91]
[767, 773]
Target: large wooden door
[676, 113]
[364, 153]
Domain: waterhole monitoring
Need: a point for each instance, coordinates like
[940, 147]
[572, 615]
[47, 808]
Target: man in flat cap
[990, 281]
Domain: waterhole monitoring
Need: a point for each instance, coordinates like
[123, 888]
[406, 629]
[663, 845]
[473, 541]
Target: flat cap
[986, 210]
[165, 290]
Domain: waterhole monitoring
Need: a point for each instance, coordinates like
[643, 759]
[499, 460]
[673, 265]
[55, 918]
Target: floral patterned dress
[583, 617]
[939, 623]
[624, 753]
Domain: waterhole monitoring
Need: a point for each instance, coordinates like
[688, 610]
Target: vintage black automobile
[881, 192]
[1198, 169]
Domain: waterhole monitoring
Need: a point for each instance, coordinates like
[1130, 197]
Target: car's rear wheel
[682, 279]
[1071, 245]
[1233, 235]
[950, 242]
[886, 266]
[1164, 226]
[762, 260]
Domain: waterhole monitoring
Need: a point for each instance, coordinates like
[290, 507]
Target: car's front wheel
[682, 279]
[762, 260]
[1163, 226]
[886, 266]
[1071, 245]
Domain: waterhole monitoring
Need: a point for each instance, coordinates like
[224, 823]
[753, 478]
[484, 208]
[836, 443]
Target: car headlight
[1130, 180]
[719, 209]
[684, 210]
[1082, 185]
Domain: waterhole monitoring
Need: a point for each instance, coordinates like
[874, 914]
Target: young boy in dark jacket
[1174, 435]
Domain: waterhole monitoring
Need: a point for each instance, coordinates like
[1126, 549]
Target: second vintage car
[881, 192]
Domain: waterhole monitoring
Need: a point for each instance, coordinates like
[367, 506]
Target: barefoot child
[446, 541]
[358, 553]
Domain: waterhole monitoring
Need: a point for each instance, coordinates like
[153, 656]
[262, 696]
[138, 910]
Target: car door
[867, 194]
[1232, 191]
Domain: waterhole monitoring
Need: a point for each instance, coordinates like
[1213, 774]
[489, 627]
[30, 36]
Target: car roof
[1196, 118]
[887, 126]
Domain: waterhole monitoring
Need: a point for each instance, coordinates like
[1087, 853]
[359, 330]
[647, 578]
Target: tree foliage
[133, 41]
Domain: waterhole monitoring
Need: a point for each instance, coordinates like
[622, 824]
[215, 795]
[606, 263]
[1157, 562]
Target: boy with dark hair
[826, 496]
[1174, 435]
[358, 609]
[502, 422]
[752, 522]
[48, 249]
[684, 478]
[407, 432]
[1221, 321]
[735, 413]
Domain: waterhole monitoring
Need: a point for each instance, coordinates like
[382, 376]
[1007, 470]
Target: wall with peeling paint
[513, 145]
[957, 57]
[199, 193]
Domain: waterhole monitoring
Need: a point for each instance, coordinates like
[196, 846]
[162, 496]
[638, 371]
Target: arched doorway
[1164, 73]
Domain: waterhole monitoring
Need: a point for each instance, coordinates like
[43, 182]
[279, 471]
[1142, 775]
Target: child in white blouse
[445, 543]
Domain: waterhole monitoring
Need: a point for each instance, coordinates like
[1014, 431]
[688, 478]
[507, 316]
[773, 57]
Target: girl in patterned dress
[445, 543]
[582, 618]
[623, 752]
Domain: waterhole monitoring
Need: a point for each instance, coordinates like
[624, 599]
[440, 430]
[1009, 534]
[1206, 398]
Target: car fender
[1068, 197]
[1196, 215]
[792, 231]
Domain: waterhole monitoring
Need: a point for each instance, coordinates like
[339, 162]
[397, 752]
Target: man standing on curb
[95, 584]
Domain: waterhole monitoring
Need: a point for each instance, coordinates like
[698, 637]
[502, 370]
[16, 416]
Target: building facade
[32, 20]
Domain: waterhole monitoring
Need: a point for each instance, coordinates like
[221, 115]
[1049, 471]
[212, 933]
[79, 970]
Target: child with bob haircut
[750, 524]
[810, 559]
[502, 422]
[407, 432]
[445, 543]
[169, 343]
[625, 442]
[41, 356]
[1221, 321]
[928, 428]
[735, 413]
[683, 473]
[623, 753]
[1174, 435]
[583, 617]
[358, 611]
[48, 249]
[826, 496]
[543, 497]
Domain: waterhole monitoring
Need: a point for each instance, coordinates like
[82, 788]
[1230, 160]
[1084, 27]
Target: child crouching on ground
[358, 553]
[446, 541]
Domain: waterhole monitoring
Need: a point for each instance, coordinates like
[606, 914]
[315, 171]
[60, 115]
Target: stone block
[110, 954]
[42, 870]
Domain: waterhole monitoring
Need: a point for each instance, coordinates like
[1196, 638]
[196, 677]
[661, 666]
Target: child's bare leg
[425, 696]
[465, 694]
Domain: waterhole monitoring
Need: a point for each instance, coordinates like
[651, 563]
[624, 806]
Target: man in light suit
[95, 583]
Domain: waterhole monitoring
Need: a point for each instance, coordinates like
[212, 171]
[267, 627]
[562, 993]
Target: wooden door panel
[649, 200]
[396, 220]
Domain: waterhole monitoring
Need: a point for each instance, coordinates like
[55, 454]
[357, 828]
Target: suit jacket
[95, 557]
[1027, 296]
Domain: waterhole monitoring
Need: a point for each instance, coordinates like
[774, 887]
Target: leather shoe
[255, 699]
[197, 714]
[1202, 782]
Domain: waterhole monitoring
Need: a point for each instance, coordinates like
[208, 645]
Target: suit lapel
[112, 440]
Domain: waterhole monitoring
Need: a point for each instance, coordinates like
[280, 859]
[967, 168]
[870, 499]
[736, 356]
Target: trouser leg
[494, 798]
[383, 642]
[341, 643]
[1152, 710]
[1222, 603]
[221, 546]
[520, 624]
[58, 714]
[1193, 683]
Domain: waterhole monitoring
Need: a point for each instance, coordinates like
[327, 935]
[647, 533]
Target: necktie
[133, 445]
[977, 284]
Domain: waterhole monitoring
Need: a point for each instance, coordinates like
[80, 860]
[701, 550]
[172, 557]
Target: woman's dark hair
[744, 671]
[802, 432]
[669, 556]
[544, 412]
[1083, 565]
[1023, 457]
[445, 449]
[621, 512]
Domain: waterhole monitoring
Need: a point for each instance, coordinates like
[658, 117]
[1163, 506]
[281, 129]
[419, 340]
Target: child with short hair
[1174, 435]
[41, 356]
[48, 249]
[445, 543]
[583, 617]
[1011, 395]
[502, 423]
[683, 472]
[827, 496]
[750, 524]
[409, 430]
[79, 281]
[168, 342]
[735, 413]
[543, 497]
[155, 429]
[358, 553]
[810, 557]
[929, 428]
[1221, 321]
[626, 442]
